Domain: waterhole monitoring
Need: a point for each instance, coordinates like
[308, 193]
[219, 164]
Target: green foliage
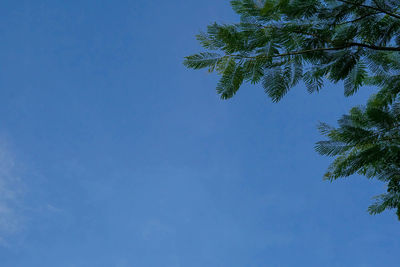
[367, 142]
[279, 43]
[343, 38]
[231, 80]
[203, 60]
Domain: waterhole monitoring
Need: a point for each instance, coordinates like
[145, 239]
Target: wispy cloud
[11, 190]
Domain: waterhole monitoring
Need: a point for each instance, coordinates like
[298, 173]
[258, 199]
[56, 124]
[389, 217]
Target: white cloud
[11, 190]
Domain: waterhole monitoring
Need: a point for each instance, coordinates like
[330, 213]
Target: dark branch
[372, 7]
[294, 53]
[374, 47]
[358, 19]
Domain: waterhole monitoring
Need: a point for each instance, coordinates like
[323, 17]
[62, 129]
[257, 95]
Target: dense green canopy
[279, 43]
[367, 142]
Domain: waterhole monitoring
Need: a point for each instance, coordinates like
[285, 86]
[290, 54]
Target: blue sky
[113, 154]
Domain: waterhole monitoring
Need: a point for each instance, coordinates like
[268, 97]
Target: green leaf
[231, 80]
[202, 60]
[276, 83]
[355, 79]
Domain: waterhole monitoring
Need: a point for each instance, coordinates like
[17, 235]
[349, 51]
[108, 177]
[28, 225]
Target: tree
[279, 43]
[367, 142]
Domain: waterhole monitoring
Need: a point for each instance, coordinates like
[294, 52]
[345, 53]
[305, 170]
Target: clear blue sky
[113, 154]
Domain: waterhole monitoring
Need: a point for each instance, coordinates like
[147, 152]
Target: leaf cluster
[367, 142]
[278, 43]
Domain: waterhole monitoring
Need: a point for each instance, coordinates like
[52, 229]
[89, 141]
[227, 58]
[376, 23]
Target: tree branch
[358, 19]
[371, 7]
[294, 53]
[374, 47]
